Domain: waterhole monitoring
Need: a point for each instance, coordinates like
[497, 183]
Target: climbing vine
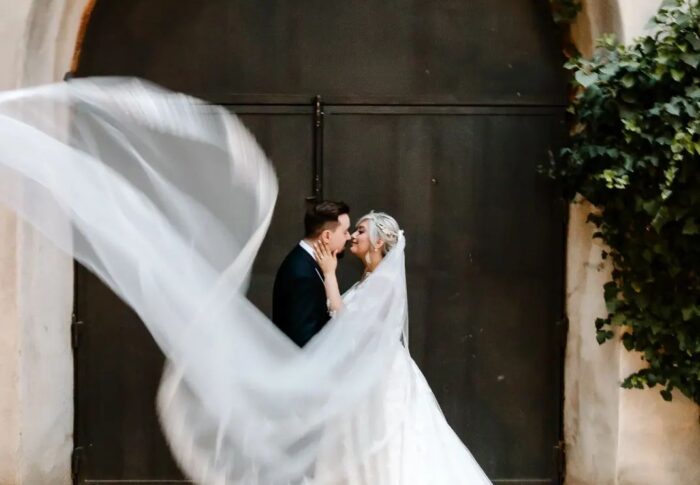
[634, 153]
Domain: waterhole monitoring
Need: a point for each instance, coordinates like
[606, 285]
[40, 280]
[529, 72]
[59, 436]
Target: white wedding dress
[419, 446]
[167, 199]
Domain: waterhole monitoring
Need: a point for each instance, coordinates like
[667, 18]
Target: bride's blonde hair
[382, 227]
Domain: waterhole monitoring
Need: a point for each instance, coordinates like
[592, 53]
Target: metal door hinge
[563, 331]
[75, 331]
[317, 187]
[560, 457]
[75, 463]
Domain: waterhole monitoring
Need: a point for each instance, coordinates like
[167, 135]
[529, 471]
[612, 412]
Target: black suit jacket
[299, 306]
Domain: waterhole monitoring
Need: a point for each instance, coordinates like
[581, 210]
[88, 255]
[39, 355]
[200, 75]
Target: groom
[299, 306]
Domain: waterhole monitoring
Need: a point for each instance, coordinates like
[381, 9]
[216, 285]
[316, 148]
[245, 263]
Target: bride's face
[360, 243]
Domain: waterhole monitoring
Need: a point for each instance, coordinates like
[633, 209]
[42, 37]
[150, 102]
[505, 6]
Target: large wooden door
[436, 112]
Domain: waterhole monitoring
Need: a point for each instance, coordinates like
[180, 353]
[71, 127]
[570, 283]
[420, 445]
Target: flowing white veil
[168, 199]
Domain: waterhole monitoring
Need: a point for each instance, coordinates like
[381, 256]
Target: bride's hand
[326, 258]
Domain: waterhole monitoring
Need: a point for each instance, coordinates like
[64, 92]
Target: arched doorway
[438, 113]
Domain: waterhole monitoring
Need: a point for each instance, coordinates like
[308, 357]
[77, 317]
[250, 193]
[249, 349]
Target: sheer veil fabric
[167, 200]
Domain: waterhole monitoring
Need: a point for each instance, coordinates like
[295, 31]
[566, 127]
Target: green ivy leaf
[672, 109]
[690, 228]
[662, 58]
[693, 40]
[692, 59]
[689, 312]
[586, 79]
[677, 74]
[667, 4]
[618, 319]
[661, 218]
[610, 69]
[628, 80]
[651, 207]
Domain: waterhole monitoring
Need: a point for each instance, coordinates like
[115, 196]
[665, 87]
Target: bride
[167, 200]
[418, 447]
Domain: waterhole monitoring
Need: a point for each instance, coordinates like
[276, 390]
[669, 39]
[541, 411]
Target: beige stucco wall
[615, 436]
[36, 366]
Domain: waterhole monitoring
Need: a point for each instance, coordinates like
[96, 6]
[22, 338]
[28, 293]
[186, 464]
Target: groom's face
[338, 237]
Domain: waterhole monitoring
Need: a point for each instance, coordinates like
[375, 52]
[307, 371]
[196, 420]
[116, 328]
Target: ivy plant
[634, 153]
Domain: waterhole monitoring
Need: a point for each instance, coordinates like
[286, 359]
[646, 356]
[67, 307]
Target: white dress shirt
[307, 247]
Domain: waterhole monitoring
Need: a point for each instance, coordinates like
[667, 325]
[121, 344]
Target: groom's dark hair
[323, 215]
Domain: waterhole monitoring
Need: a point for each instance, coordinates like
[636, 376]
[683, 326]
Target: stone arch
[36, 280]
[41, 42]
[84, 21]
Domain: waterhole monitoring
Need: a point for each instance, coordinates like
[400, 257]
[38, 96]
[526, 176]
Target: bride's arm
[328, 262]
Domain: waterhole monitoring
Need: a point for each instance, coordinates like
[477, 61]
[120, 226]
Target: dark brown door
[118, 365]
[436, 112]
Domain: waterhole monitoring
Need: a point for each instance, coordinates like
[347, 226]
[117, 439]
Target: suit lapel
[312, 260]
